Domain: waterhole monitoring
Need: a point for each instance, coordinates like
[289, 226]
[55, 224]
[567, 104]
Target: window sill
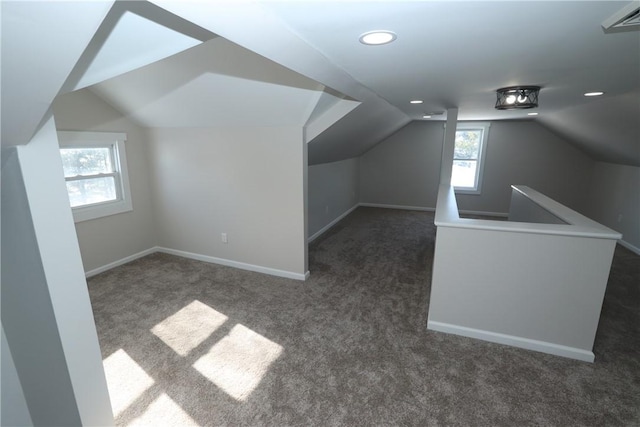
[466, 191]
[99, 211]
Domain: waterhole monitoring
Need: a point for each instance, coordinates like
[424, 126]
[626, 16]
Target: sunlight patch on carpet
[189, 327]
[163, 412]
[126, 380]
[239, 361]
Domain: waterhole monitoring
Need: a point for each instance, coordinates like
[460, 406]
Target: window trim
[484, 126]
[123, 203]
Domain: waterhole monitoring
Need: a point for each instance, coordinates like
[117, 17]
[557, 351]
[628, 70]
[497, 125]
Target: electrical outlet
[224, 238]
[619, 217]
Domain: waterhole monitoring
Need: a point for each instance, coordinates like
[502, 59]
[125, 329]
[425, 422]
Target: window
[95, 170]
[468, 157]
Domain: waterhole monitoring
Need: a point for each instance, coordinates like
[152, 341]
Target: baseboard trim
[402, 207]
[235, 264]
[629, 246]
[198, 257]
[119, 262]
[425, 209]
[528, 344]
[331, 224]
[483, 213]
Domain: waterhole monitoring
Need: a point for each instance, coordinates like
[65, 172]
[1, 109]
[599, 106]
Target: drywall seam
[402, 207]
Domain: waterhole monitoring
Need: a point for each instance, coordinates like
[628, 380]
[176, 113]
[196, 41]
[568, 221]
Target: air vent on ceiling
[626, 19]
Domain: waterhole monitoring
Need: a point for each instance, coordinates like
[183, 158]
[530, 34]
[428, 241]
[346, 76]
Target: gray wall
[404, 169]
[247, 182]
[525, 153]
[615, 200]
[333, 190]
[108, 239]
[13, 408]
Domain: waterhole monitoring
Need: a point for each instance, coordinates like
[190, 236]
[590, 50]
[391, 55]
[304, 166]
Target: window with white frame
[468, 157]
[95, 171]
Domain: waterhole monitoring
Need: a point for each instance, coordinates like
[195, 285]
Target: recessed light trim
[416, 101]
[596, 93]
[377, 37]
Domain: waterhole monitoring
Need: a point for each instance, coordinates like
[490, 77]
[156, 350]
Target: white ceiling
[216, 83]
[456, 54]
[451, 54]
[35, 37]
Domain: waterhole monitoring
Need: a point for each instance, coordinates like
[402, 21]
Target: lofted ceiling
[456, 54]
[218, 83]
[244, 58]
[450, 54]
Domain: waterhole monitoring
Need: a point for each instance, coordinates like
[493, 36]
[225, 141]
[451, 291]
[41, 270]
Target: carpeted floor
[190, 343]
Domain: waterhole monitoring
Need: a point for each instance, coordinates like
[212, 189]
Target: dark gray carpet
[348, 347]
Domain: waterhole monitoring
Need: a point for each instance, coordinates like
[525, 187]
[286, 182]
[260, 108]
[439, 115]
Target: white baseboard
[403, 207]
[205, 258]
[629, 246]
[483, 213]
[425, 209]
[370, 205]
[235, 264]
[529, 344]
[119, 262]
[331, 224]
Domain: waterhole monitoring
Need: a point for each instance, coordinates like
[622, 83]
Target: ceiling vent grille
[626, 19]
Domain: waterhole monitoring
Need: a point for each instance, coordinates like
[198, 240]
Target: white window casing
[115, 142]
[480, 161]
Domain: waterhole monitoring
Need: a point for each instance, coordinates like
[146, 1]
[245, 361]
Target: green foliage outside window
[467, 144]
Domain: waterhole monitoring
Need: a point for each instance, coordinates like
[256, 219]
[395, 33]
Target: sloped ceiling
[217, 83]
[456, 54]
[607, 129]
[133, 34]
[52, 47]
[35, 37]
[250, 25]
[448, 53]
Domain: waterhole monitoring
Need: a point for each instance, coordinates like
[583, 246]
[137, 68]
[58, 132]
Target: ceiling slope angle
[219, 83]
[133, 34]
[625, 19]
[33, 41]
[330, 108]
[453, 54]
[255, 26]
[608, 128]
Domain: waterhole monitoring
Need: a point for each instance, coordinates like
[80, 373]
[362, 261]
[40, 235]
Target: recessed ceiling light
[594, 93]
[416, 101]
[377, 37]
[426, 116]
[532, 114]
